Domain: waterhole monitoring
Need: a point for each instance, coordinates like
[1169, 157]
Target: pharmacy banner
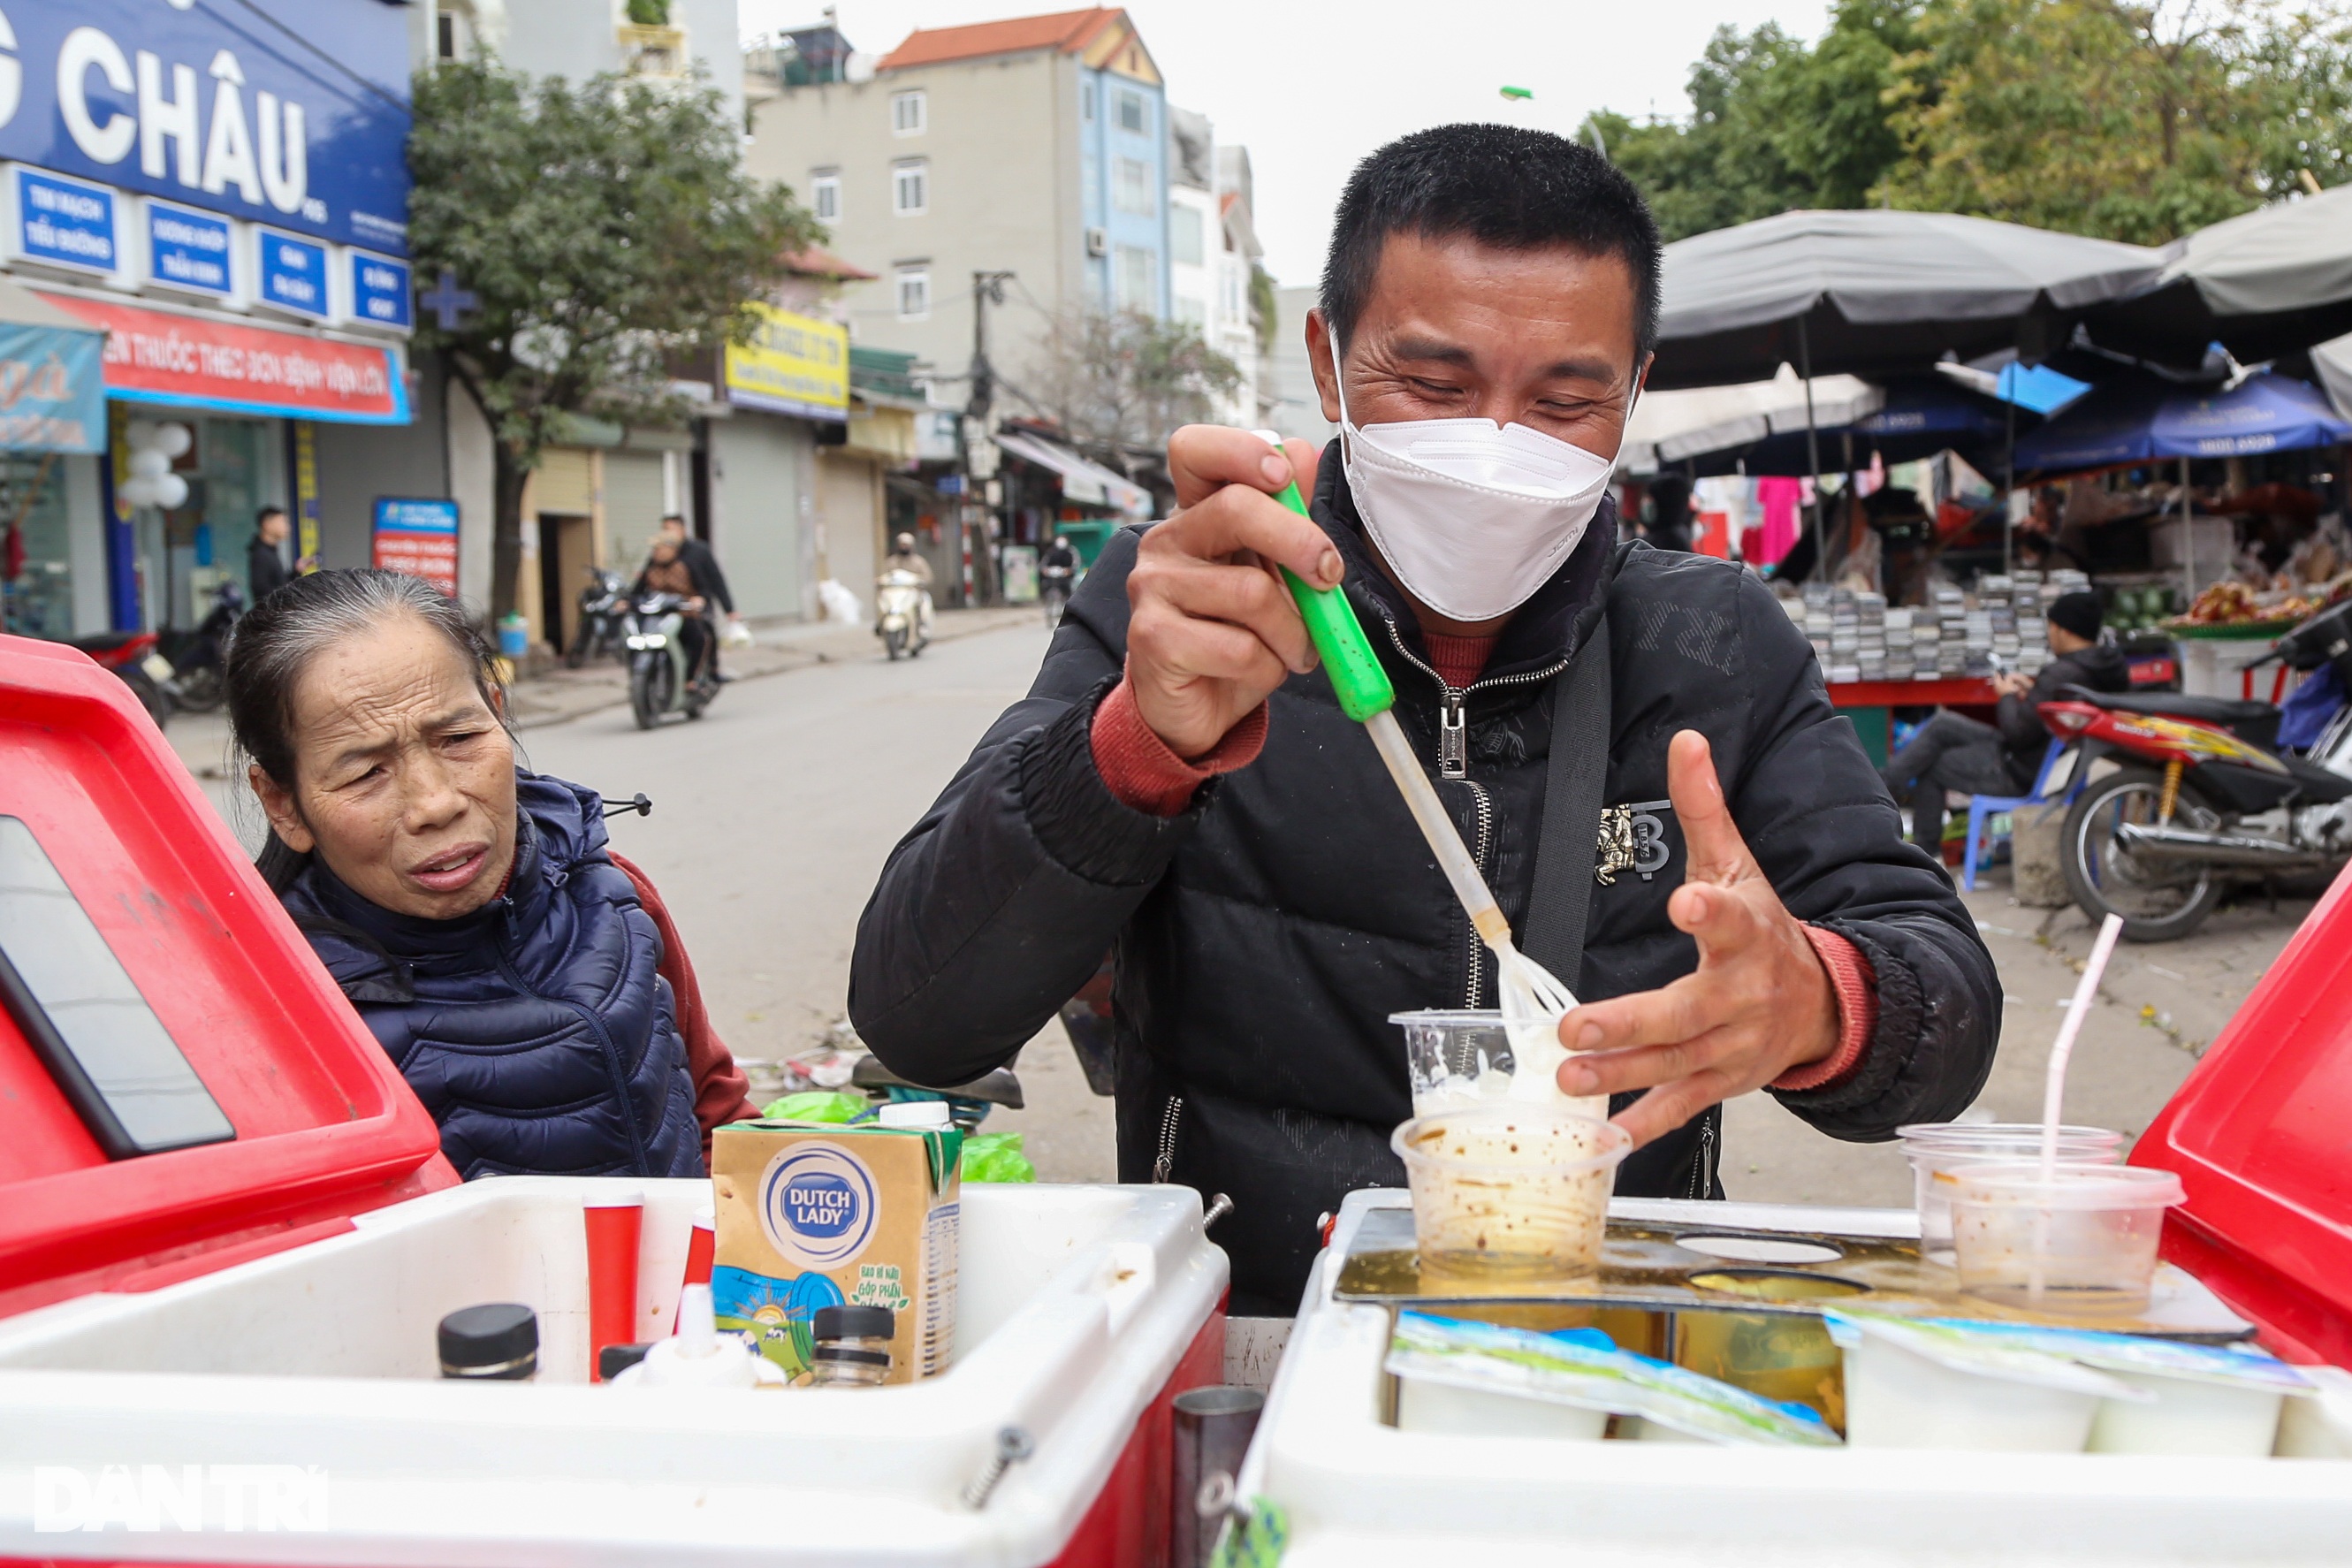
[793, 364]
[418, 537]
[230, 367]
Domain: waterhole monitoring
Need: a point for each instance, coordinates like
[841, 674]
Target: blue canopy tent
[2142, 420]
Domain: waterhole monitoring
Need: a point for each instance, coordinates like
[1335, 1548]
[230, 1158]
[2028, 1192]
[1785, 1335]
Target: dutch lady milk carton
[814, 1215]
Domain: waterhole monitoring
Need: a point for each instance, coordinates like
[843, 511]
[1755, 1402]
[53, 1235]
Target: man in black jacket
[266, 571]
[1181, 788]
[1954, 752]
[709, 580]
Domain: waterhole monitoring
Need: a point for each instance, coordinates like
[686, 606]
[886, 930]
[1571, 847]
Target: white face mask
[1473, 517]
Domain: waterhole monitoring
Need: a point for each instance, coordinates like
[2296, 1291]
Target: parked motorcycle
[603, 606]
[2204, 795]
[660, 681]
[198, 658]
[1054, 585]
[899, 618]
[132, 656]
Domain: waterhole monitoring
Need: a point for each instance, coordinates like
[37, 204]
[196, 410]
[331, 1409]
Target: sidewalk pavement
[561, 695]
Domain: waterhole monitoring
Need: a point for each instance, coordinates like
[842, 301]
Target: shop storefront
[52, 424]
[787, 392]
[232, 219]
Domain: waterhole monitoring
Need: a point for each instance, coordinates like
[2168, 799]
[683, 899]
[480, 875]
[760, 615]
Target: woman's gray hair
[285, 635]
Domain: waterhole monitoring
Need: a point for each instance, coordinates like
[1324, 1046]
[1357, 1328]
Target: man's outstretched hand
[1760, 1004]
[1212, 629]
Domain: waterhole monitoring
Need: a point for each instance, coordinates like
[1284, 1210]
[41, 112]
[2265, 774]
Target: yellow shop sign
[793, 364]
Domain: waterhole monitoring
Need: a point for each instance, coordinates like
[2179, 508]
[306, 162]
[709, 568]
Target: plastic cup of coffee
[1455, 1059]
[2079, 1241]
[1509, 1191]
[1938, 1154]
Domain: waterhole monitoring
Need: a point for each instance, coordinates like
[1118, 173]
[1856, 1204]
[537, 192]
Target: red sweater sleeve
[1144, 774]
[721, 1092]
[1856, 984]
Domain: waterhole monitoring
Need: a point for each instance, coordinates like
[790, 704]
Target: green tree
[607, 231]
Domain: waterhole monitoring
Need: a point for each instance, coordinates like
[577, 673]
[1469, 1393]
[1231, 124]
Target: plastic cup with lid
[1455, 1059]
[2077, 1240]
[1509, 1190]
[1938, 1151]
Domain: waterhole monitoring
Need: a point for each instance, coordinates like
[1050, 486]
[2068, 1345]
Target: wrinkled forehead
[1546, 306]
[392, 680]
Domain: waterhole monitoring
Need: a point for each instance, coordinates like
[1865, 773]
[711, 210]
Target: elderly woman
[526, 979]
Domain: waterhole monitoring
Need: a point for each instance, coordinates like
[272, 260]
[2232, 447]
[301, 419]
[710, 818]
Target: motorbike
[198, 658]
[603, 604]
[132, 656]
[1054, 586]
[660, 682]
[2202, 794]
[898, 614]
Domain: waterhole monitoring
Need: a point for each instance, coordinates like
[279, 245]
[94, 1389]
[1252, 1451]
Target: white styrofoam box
[2215, 667]
[1360, 1493]
[1076, 1305]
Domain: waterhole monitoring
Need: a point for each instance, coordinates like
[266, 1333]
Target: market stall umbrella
[1917, 419]
[1874, 293]
[2333, 361]
[1671, 428]
[2263, 284]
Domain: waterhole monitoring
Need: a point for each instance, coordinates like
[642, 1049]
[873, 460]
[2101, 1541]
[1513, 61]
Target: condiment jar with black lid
[497, 1341]
[852, 1346]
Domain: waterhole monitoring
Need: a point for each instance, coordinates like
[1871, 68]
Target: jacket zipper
[1703, 1172]
[1165, 1160]
[603, 1038]
[1453, 763]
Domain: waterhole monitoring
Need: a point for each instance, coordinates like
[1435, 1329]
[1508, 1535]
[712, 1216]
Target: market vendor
[1953, 752]
[526, 980]
[1181, 787]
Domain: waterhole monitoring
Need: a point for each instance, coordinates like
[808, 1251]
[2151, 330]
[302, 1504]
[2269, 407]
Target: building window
[914, 293]
[1184, 235]
[1232, 291]
[1191, 313]
[1131, 114]
[1130, 188]
[1139, 280]
[911, 187]
[907, 114]
[824, 194]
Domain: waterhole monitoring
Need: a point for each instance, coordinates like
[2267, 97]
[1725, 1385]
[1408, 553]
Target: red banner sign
[202, 362]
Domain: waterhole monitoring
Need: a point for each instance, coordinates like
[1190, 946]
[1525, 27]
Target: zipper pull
[1453, 737]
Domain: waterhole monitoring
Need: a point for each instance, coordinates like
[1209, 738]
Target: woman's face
[404, 779]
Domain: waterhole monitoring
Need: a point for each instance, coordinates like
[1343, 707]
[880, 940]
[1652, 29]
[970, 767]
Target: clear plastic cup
[1455, 1059]
[1937, 1154]
[2080, 1242]
[1509, 1191]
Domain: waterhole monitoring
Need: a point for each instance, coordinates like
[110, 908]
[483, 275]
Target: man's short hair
[1501, 186]
[673, 517]
[266, 513]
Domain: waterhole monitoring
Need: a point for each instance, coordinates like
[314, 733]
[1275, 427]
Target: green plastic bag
[996, 1157]
[817, 1105]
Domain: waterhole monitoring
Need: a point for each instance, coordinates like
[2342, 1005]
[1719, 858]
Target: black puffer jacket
[1264, 937]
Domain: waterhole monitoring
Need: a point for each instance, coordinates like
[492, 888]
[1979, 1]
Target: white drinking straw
[2053, 1091]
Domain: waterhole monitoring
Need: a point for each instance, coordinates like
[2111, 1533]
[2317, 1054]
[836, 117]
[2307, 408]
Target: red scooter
[2201, 794]
[133, 656]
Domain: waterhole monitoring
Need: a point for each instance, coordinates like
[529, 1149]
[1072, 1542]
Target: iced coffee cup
[1510, 1191]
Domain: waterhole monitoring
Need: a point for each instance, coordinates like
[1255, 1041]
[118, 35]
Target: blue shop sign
[293, 113]
[64, 223]
[189, 248]
[291, 273]
[381, 292]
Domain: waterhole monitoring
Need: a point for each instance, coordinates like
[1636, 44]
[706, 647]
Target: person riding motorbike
[665, 572]
[1057, 574]
[904, 557]
[710, 581]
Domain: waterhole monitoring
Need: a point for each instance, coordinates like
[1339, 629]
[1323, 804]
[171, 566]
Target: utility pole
[987, 289]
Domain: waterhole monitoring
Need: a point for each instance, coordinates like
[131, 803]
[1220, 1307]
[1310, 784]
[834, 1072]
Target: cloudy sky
[1310, 86]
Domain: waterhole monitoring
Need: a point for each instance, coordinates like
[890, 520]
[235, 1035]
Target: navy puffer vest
[534, 1029]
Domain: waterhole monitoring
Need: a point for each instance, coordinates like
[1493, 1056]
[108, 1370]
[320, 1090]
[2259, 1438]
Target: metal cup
[1212, 1431]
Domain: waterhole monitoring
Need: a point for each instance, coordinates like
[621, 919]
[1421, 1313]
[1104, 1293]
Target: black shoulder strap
[1570, 842]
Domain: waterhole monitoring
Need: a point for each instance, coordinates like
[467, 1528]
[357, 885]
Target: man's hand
[1760, 1004]
[2011, 683]
[1214, 629]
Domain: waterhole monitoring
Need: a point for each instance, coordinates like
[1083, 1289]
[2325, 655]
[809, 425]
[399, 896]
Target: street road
[772, 816]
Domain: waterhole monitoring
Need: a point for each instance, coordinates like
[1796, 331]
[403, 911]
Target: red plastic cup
[700, 1248]
[616, 1226]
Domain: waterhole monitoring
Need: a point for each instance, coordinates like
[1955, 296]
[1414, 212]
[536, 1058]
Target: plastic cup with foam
[1512, 1190]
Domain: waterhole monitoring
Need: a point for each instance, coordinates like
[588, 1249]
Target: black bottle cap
[854, 1324]
[499, 1339]
[612, 1361]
